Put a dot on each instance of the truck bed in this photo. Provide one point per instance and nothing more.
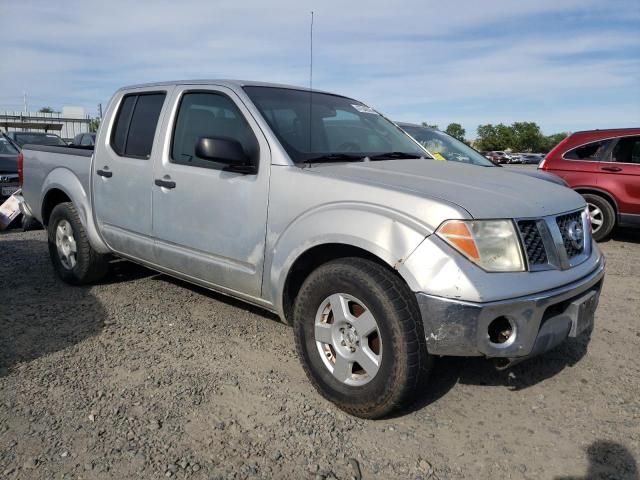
(41, 160)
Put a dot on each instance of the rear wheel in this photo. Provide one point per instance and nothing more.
(73, 258)
(360, 338)
(602, 215)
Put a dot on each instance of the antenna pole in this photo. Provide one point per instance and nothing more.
(311, 54)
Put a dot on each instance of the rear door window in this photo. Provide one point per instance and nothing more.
(121, 127)
(627, 150)
(136, 124)
(591, 151)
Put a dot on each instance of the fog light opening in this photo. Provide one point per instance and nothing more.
(501, 332)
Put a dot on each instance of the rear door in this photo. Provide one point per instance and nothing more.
(123, 172)
(210, 223)
(620, 175)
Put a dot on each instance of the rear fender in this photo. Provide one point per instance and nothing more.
(66, 181)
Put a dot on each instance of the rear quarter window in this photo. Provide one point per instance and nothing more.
(591, 151)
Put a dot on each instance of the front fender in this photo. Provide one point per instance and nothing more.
(386, 233)
(65, 180)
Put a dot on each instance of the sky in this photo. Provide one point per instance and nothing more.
(566, 64)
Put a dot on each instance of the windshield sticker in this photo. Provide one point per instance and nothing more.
(364, 109)
(437, 156)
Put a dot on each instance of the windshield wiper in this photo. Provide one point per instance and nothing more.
(335, 157)
(394, 155)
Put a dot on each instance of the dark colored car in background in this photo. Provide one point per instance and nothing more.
(604, 166)
(498, 157)
(10, 145)
(36, 138)
(531, 158)
(84, 140)
(8, 167)
(442, 146)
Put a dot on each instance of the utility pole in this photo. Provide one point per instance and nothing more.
(25, 102)
(100, 111)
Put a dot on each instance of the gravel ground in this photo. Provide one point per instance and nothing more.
(144, 376)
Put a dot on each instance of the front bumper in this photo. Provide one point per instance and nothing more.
(540, 321)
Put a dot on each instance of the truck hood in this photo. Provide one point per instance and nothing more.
(549, 177)
(484, 192)
(8, 164)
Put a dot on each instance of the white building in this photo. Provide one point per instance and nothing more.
(67, 124)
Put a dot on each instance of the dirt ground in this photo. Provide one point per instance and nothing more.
(144, 376)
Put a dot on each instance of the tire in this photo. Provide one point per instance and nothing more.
(88, 266)
(358, 290)
(602, 210)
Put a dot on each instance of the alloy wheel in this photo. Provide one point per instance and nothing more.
(596, 216)
(66, 245)
(348, 339)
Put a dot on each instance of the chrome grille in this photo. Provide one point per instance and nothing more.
(568, 224)
(532, 241)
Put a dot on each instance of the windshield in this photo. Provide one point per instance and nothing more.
(39, 139)
(445, 147)
(6, 148)
(338, 128)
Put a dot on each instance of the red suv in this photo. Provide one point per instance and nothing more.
(604, 166)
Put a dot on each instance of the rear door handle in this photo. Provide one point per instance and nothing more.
(611, 169)
(105, 173)
(165, 183)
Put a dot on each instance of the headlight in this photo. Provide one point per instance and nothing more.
(491, 244)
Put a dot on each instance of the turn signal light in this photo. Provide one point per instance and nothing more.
(459, 235)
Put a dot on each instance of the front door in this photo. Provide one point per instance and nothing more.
(210, 223)
(123, 172)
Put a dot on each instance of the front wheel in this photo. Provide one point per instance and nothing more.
(602, 216)
(73, 258)
(360, 338)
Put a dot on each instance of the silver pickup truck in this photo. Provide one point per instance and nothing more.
(316, 207)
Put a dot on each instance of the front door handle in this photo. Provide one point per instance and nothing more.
(165, 183)
(105, 173)
(611, 169)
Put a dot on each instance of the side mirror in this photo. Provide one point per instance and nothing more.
(227, 151)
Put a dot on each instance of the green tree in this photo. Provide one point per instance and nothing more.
(505, 136)
(551, 141)
(526, 137)
(487, 139)
(456, 131)
(519, 137)
(47, 110)
(494, 137)
(94, 124)
(428, 125)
